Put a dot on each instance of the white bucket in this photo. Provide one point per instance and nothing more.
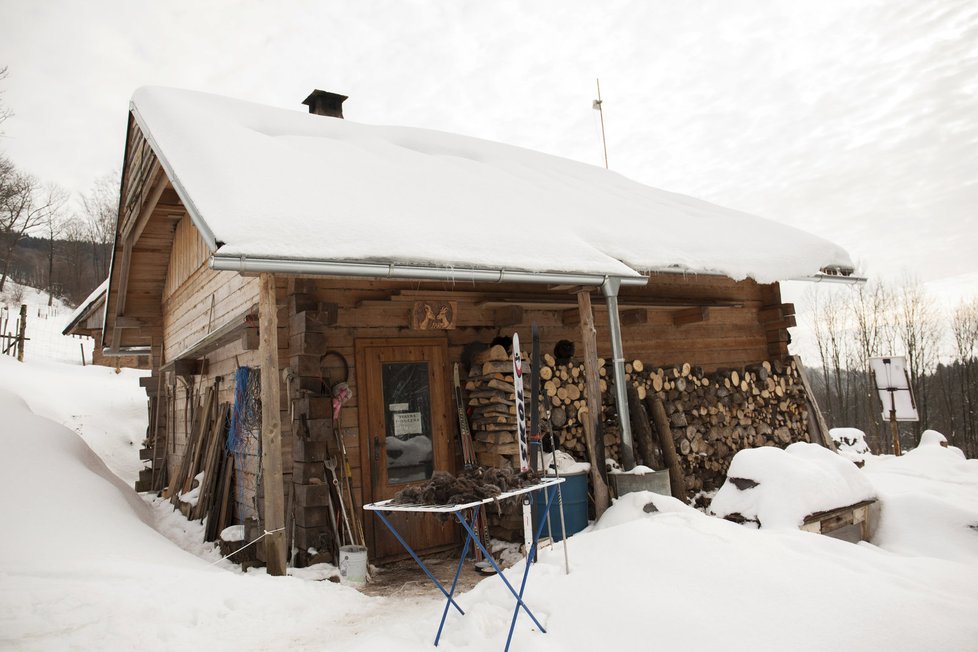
(353, 564)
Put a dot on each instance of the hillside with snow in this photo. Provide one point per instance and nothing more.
(86, 563)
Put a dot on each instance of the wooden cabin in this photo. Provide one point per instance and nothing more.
(317, 251)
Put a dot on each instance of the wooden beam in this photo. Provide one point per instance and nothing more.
(690, 316)
(160, 182)
(775, 312)
(787, 322)
(120, 299)
(188, 367)
(592, 392)
(271, 427)
(230, 331)
(779, 335)
(507, 316)
(633, 317)
(124, 321)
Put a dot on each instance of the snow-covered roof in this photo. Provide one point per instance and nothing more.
(85, 306)
(264, 182)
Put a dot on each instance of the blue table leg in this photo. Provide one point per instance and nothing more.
(458, 572)
(531, 554)
(404, 543)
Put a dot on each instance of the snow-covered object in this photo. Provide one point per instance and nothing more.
(233, 533)
(850, 443)
(933, 438)
(566, 464)
(636, 505)
(274, 183)
(793, 483)
(852, 440)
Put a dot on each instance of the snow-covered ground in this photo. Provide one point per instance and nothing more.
(85, 563)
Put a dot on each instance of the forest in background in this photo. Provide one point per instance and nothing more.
(878, 319)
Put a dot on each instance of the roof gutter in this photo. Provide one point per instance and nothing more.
(243, 264)
(126, 350)
(830, 278)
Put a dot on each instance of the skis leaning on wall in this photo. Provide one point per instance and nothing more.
(468, 459)
(524, 440)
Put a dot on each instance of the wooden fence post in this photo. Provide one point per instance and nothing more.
(22, 333)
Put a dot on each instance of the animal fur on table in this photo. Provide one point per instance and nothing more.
(471, 485)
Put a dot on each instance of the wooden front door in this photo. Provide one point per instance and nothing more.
(406, 434)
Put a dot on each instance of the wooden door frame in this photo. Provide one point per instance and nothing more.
(360, 345)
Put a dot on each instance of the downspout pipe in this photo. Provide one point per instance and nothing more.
(610, 291)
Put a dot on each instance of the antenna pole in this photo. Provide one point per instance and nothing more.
(597, 105)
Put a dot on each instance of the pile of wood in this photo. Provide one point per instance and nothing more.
(713, 415)
(562, 392)
(492, 407)
(206, 466)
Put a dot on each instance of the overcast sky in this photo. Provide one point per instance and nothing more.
(856, 120)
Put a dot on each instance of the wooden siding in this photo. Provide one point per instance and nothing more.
(188, 254)
(204, 302)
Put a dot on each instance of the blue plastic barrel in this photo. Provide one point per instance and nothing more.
(574, 490)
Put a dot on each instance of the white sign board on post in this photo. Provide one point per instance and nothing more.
(893, 385)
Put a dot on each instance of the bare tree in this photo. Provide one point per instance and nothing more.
(872, 308)
(100, 207)
(55, 225)
(5, 111)
(964, 326)
(829, 322)
(24, 206)
(919, 330)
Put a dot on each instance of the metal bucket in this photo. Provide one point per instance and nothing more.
(353, 564)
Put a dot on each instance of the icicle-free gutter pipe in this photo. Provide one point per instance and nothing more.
(415, 272)
(610, 291)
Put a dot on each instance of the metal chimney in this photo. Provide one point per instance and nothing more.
(323, 103)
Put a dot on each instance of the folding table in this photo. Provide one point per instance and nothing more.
(548, 484)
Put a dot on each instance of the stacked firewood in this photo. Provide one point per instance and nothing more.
(492, 408)
(713, 415)
(562, 392)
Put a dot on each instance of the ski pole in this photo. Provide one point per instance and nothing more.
(560, 495)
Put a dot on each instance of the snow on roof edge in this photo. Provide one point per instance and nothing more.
(614, 252)
(86, 305)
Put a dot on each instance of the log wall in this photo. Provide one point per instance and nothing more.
(711, 322)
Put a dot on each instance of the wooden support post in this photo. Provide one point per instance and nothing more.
(642, 430)
(895, 433)
(22, 333)
(592, 390)
(271, 427)
(677, 480)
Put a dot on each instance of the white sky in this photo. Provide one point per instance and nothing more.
(857, 120)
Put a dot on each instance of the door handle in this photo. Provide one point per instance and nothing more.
(377, 447)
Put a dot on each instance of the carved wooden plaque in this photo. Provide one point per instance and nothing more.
(434, 315)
